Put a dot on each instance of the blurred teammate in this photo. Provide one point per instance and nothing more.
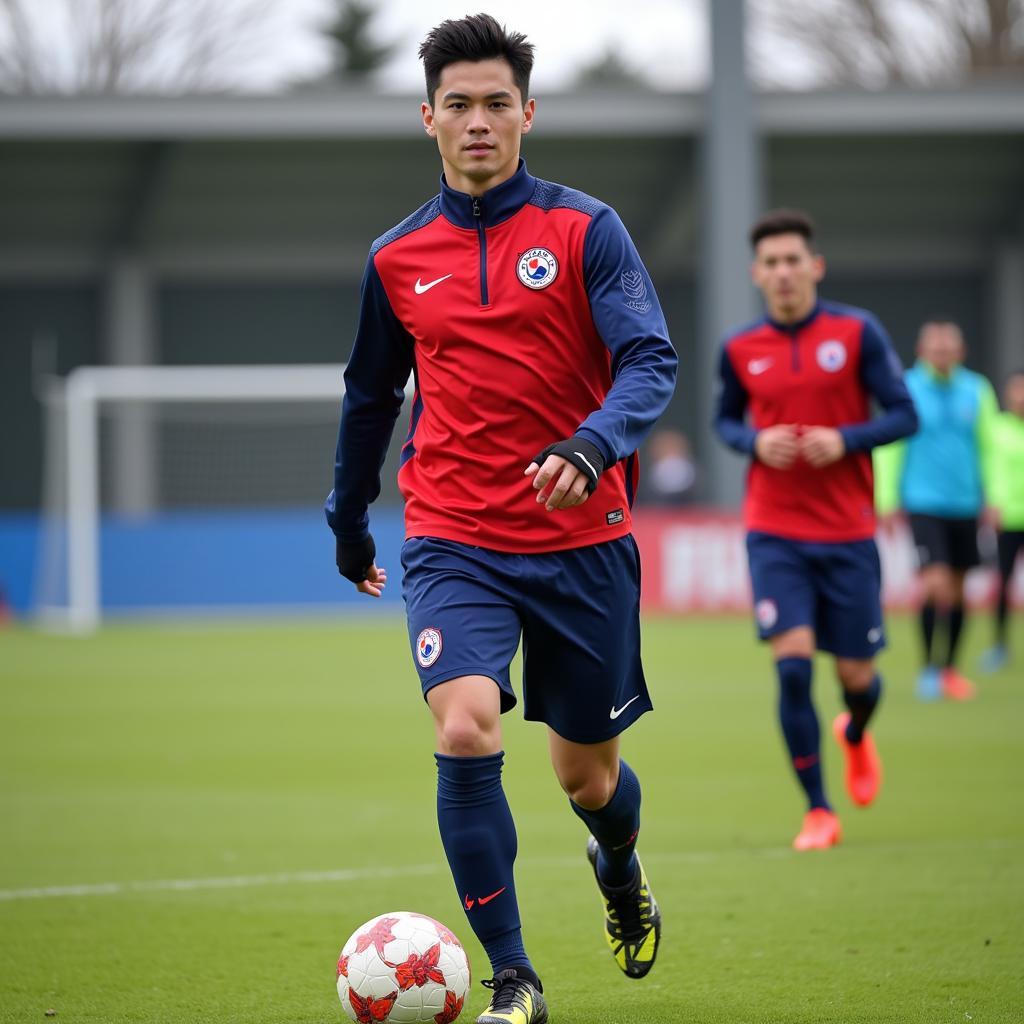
(541, 360)
(1006, 477)
(936, 477)
(806, 373)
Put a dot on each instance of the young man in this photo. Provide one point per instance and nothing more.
(806, 373)
(1006, 477)
(541, 360)
(937, 478)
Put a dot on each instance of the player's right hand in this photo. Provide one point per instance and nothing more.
(356, 563)
(375, 582)
(777, 446)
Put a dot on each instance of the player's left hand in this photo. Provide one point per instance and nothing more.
(566, 474)
(821, 446)
(992, 517)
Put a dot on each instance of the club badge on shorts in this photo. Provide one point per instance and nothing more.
(767, 613)
(428, 647)
(832, 356)
(537, 268)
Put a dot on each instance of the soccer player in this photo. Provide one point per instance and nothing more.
(1006, 477)
(937, 478)
(806, 374)
(541, 359)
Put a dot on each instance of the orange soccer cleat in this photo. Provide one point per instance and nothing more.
(956, 687)
(820, 830)
(863, 765)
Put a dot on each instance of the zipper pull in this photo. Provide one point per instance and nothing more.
(476, 206)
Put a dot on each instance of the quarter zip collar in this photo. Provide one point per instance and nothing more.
(935, 377)
(799, 324)
(495, 205)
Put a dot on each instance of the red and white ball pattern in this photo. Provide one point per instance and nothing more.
(403, 968)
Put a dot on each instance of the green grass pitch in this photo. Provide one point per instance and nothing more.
(193, 820)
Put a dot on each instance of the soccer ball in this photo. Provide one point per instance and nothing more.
(403, 968)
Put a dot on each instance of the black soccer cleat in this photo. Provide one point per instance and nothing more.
(632, 921)
(516, 1000)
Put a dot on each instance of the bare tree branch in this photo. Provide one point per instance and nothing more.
(117, 46)
(23, 58)
(879, 42)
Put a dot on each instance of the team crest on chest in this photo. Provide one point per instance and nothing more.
(428, 647)
(832, 356)
(537, 268)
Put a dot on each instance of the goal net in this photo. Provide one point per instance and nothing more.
(189, 489)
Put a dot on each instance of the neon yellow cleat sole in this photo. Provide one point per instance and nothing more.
(632, 920)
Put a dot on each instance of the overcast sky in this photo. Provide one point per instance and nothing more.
(666, 39)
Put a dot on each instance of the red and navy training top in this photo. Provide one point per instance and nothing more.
(525, 316)
(822, 371)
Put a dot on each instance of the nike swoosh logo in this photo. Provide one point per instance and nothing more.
(483, 900)
(758, 366)
(586, 462)
(615, 712)
(421, 288)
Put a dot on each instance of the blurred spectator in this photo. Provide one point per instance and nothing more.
(938, 477)
(670, 473)
(1006, 472)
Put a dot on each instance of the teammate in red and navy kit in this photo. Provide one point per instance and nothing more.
(806, 375)
(541, 359)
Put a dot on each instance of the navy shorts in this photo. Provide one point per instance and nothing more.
(833, 588)
(577, 611)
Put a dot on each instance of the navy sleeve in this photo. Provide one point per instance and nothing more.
(628, 317)
(375, 378)
(882, 377)
(730, 422)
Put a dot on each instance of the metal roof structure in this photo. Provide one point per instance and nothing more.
(300, 184)
(340, 114)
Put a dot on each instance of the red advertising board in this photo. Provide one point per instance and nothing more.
(696, 561)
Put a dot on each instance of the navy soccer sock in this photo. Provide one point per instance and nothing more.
(479, 839)
(928, 630)
(615, 827)
(862, 706)
(956, 625)
(800, 726)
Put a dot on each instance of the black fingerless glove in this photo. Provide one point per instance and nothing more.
(583, 454)
(354, 559)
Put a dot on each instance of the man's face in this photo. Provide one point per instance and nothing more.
(478, 119)
(941, 346)
(1013, 395)
(787, 273)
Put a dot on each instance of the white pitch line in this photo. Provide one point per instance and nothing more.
(224, 882)
(413, 870)
(253, 881)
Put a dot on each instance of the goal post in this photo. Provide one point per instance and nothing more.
(87, 392)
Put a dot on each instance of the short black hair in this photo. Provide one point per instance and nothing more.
(783, 221)
(475, 37)
(939, 320)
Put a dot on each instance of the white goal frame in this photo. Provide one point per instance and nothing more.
(87, 388)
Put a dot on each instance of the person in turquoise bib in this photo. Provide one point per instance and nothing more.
(939, 477)
(1006, 473)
